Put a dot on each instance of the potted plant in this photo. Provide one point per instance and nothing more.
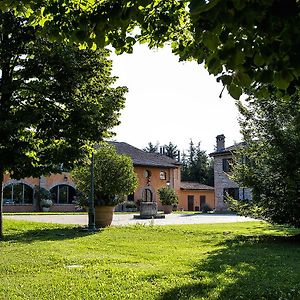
(43, 198)
(46, 204)
(168, 198)
(114, 178)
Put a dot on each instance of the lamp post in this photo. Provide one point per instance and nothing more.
(91, 214)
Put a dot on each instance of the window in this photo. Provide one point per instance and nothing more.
(18, 193)
(163, 175)
(63, 194)
(147, 173)
(227, 165)
(231, 192)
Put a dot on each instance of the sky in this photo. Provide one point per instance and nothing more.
(172, 101)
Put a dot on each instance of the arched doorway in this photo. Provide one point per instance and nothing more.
(147, 195)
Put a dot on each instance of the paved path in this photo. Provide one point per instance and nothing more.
(127, 219)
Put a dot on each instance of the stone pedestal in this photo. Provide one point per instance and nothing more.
(148, 209)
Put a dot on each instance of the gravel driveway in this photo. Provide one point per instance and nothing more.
(128, 219)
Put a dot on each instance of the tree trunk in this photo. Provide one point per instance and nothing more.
(1, 203)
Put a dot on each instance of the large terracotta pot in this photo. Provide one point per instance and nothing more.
(103, 215)
(167, 209)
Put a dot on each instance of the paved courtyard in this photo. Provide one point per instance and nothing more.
(128, 219)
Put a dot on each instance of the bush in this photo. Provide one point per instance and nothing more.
(167, 196)
(206, 208)
(114, 176)
(46, 203)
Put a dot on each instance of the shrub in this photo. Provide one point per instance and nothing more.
(167, 196)
(206, 208)
(114, 176)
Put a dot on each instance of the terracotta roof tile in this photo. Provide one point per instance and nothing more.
(188, 185)
(142, 158)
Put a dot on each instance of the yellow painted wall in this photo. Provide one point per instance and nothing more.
(183, 198)
(154, 182)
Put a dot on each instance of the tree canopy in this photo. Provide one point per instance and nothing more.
(113, 174)
(270, 161)
(244, 43)
(196, 166)
(55, 101)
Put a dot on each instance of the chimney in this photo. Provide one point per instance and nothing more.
(220, 142)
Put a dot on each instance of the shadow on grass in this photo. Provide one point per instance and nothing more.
(247, 267)
(48, 234)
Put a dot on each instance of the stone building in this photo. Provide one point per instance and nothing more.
(224, 185)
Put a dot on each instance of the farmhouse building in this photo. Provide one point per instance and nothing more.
(154, 170)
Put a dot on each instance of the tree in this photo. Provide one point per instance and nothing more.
(55, 101)
(151, 148)
(243, 43)
(196, 166)
(270, 162)
(171, 150)
(113, 174)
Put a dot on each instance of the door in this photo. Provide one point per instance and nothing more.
(190, 202)
(202, 201)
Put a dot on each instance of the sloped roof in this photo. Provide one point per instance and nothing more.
(142, 158)
(188, 185)
(228, 150)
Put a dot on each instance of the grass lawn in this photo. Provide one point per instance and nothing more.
(221, 261)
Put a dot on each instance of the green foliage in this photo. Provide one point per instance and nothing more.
(213, 261)
(46, 203)
(167, 196)
(171, 150)
(114, 176)
(196, 166)
(55, 100)
(41, 193)
(151, 148)
(248, 42)
(270, 162)
(206, 208)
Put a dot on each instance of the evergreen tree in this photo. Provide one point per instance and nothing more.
(197, 166)
(151, 148)
(171, 150)
(270, 161)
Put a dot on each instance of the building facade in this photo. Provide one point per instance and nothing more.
(154, 170)
(223, 184)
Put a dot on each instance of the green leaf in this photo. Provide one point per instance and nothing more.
(244, 79)
(234, 91)
(258, 60)
(283, 79)
(198, 6)
(211, 41)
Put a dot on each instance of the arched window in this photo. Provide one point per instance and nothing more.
(147, 195)
(63, 194)
(18, 193)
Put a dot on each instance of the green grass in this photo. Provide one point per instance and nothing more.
(223, 261)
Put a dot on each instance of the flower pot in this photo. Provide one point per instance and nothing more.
(103, 215)
(167, 209)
